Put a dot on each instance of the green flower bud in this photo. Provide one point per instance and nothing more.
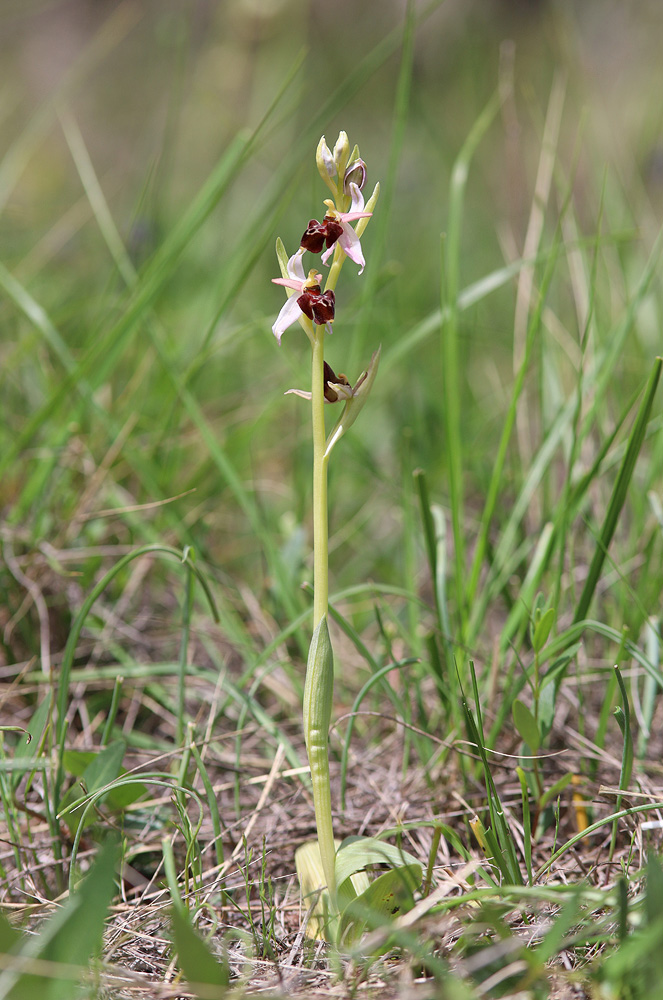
(341, 153)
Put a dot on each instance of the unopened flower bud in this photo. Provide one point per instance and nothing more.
(354, 174)
(326, 165)
(341, 153)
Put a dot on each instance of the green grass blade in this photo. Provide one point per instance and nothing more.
(452, 376)
(619, 492)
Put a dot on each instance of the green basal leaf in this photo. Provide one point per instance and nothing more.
(356, 853)
(387, 897)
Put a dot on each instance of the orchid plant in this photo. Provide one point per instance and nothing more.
(332, 877)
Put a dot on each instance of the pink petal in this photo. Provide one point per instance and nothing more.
(357, 198)
(289, 314)
(293, 283)
(296, 265)
(352, 216)
(298, 392)
(352, 246)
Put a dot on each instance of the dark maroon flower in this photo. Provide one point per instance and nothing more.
(316, 305)
(335, 386)
(319, 234)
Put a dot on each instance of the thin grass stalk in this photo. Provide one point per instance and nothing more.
(499, 834)
(653, 643)
(60, 726)
(436, 550)
(626, 768)
(619, 492)
(112, 710)
(184, 651)
(496, 479)
(588, 831)
(129, 274)
(213, 809)
(171, 874)
(562, 531)
(527, 821)
(370, 683)
(370, 289)
(452, 375)
(89, 803)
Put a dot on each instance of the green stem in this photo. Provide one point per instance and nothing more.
(320, 526)
(318, 689)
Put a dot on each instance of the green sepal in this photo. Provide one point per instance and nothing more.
(282, 257)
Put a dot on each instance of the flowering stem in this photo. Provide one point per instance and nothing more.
(335, 269)
(320, 529)
(319, 672)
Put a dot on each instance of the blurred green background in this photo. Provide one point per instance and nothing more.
(148, 97)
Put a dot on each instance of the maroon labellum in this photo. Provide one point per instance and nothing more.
(319, 234)
(331, 394)
(316, 305)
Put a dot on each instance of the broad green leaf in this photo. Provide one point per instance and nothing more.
(96, 770)
(387, 897)
(555, 790)
(71, 937)
(311, 881)
(356, 853)
(654, 892)
(199, 965)
(9, 936)
(526, 725)
(547, 701)
(542, 629)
